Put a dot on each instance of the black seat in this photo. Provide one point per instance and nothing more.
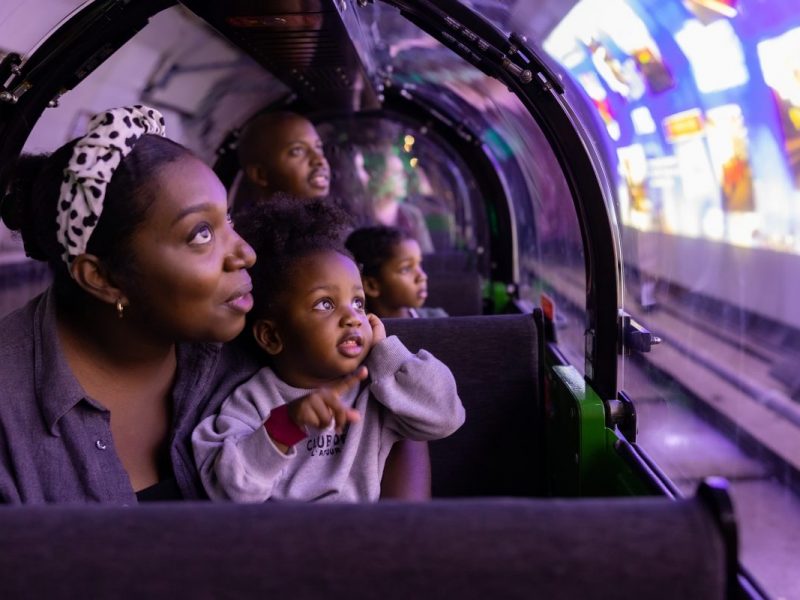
(494, 359)
(454, 282)
(650, 548)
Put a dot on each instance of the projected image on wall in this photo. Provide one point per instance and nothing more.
(701, 115)
(780, 63)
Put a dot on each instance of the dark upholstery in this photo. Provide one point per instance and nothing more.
(466, 549)
(487, 549)
(454, 283)
(494, 361)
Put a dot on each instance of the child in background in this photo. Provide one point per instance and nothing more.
(391, 270)
(318, 421)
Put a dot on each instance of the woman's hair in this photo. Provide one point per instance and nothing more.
(346, 189)
(373, 246)
(376, 163)
(30, 206)
(283, 230)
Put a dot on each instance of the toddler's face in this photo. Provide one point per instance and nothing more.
(402, 281)
(322, 321)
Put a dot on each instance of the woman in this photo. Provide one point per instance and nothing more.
(387, 186)
(98, 379)
(105, 375)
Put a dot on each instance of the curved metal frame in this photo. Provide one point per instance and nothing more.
(62, 61)
(512, 62)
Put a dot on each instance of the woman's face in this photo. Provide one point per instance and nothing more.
(392, 184)
(189, 282)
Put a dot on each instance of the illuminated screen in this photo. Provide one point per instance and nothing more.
(699, 101)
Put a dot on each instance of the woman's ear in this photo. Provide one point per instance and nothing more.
(371, 286)
(257, 174)
(90, 274)
(267, 336)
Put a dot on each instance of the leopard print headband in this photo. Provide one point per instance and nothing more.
(110, 137)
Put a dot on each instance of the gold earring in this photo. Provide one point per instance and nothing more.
(120, 308)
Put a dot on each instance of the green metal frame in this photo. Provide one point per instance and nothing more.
(582, 457)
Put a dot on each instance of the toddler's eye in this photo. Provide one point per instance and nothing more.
(201, 235)
(358, 303)
(324, 304)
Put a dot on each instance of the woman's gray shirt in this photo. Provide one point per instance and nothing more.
(55, 441)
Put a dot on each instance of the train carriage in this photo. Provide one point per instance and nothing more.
(517, 153)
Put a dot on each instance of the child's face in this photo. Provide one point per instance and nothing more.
(401, 282)
(322, 321)
(296, 162)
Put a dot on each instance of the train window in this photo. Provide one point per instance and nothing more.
(532, 207)
(25, 34)
(550, 249)
(697, 106)
(380, 166)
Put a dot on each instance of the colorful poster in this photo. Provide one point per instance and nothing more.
(780, 63)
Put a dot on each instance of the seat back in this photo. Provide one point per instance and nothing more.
(467, 549)
(498, 450)
(454, 283)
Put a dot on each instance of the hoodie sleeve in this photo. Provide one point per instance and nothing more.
(418, 390)
(235, 457)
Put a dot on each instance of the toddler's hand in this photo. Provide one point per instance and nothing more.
(324, 404)
(378, 330)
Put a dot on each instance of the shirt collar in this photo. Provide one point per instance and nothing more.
(57, 390)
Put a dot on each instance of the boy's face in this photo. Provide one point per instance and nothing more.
(294, 160)
(401, 282)
(321, 321)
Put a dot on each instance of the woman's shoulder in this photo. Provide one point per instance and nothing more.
(223, 368)
(17, 331)
(25, 363)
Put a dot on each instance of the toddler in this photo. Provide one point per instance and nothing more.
(391, 270)
(317, 422)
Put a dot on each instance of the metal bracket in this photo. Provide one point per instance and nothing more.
(621, 413)
(9, 66)
(635, 337)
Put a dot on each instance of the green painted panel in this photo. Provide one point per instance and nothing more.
(581, 455)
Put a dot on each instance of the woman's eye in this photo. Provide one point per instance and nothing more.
(358, 303)
(201, 235)
(296, 151)
(324, 304)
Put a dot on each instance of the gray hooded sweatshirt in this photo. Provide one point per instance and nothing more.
(407, 395)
